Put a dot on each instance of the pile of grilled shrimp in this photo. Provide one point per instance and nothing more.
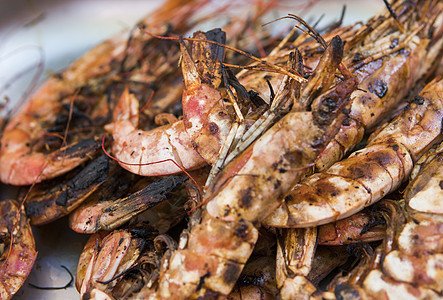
(301, 166)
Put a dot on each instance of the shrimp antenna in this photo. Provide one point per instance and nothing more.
(311, 31)
(294, 75)
(394, 16)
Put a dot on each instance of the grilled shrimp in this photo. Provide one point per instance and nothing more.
(119, 264)
(173, 141)
(110, 213)
(197, 139)
(211, 256)
(17, 256)
(38, 142)
(409, 262)
(56, 198)
(389, 57)
(368, 174)
(104, 257)
(302, 261)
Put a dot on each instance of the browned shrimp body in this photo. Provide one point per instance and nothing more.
(409, 263)
(388, 64)
(16, 259)
(108, 214)
(371, 173)
(212, 255)
(58, 197)
(54, 131)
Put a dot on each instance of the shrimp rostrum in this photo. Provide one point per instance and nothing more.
(222, 236)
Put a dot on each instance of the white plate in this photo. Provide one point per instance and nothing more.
(38, 38)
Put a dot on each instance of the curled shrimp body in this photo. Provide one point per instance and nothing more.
(39, 141)
(17, 257)
(177, 141)
(137, 148)
(409, 262)
(368, 174)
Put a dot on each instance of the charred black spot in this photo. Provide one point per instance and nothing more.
(288, 198)
(227, 210)
(120, 241)
(241, 230)
(327, 107)
(58, 76)
(418, 100)
(256, 99)
(346, 121)
(394, 147)
(157, 191)
(378, 88)
(357, 57)
(94, 174)
(146, 232)
(282, 170)
(89, 145)
(431, 32)
(231, 273)
(441, 184)
(213, 128)
(277, 184)
(202, 280)
(333, 194)
(246, 200)
(274, 166)
(394, 43)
